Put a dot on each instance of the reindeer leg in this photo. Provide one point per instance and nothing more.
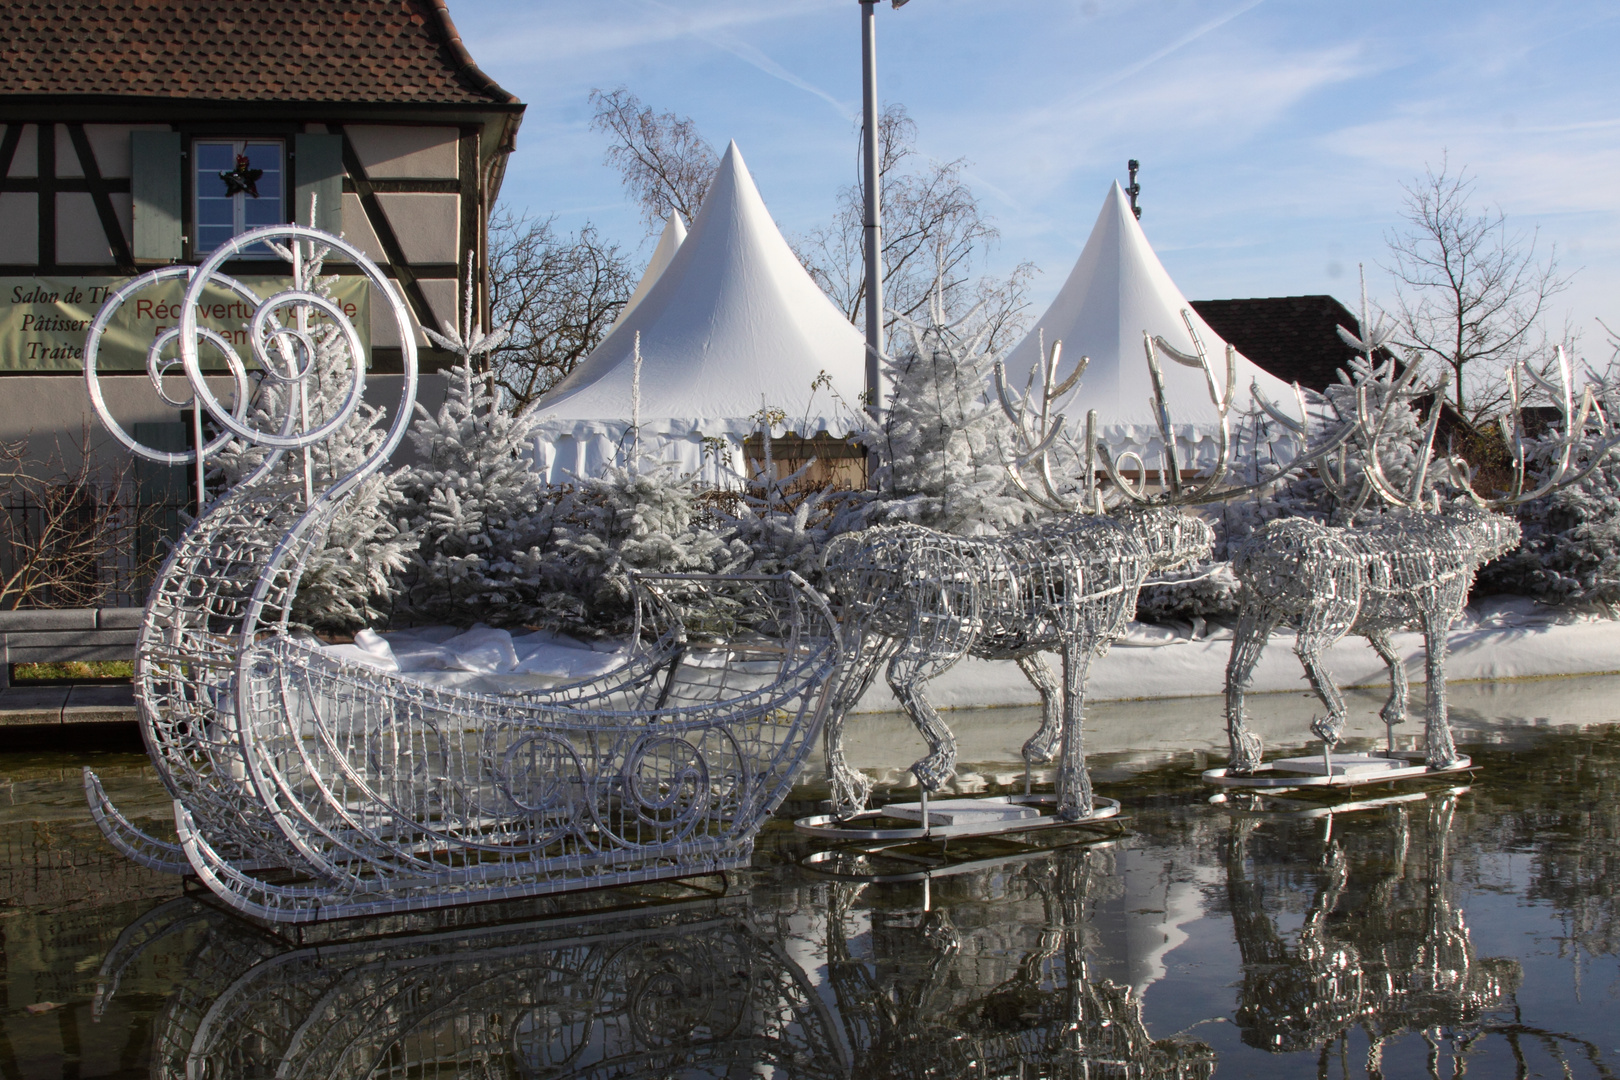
(1043, 745)
(851, 788)
(1442, 751)
(908, 672)
(1248, 642)
(1394, 710)
(1329, 728)
(1073, 780)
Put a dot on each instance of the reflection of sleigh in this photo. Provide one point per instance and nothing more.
(306, 786)
(691, 989)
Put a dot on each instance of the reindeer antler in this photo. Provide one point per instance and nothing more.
(1210, 489)
(1575, 417)
(1035, 436)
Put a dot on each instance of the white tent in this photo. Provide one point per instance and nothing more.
(732, 324)
(673, 236)
(1118, 289)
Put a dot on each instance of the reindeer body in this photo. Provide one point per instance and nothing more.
(921, 600)
(1406, 569)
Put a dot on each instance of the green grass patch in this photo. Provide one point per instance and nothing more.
(74, 671)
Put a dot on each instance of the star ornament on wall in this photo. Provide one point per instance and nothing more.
(242, 178)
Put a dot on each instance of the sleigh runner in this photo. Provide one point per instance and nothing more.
(308, 786)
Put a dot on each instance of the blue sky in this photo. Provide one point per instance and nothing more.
(1273, 134)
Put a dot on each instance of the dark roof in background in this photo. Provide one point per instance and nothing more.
(1295, 338)
(386, 51)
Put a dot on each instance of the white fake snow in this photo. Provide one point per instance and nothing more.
(1501, 638)
(483, 658)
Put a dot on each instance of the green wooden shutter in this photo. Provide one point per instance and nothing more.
(318, 164)
(154, 185)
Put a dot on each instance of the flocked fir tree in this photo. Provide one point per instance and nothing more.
(635, 515)
(1570, 553)
(346, 582)
(943, 441)
(479, 509)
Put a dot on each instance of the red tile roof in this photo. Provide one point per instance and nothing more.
(380, 51)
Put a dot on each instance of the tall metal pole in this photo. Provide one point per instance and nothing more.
(872, 220)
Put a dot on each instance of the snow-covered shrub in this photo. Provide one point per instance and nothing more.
(623, 519)
(1204, 593)
(1570, 552)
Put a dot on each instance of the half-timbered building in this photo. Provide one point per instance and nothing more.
(123, 120)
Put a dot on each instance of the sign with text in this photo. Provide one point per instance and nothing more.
(43, 320)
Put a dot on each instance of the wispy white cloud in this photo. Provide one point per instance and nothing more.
(751, 55)
(577, 31)
(1133, 70)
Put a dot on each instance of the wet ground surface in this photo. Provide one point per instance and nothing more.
(1456, 927)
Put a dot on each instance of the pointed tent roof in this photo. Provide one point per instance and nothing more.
(673, 236)
(1117, 289)
(732, 322)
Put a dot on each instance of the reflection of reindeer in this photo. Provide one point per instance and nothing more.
(1410, 567)
(920, 600)
(1397, 959)
(921, 1006)
(1292, 999)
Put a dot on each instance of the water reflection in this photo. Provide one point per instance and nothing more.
(1472, 930)
(692, 989)
(1384, 946)
(918, 1003)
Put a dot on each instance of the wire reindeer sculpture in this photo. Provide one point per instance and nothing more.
(1412, 566)
(918, 600)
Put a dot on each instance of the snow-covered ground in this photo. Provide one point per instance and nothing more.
(1500, 638)
(1505, 637)
(483, 658)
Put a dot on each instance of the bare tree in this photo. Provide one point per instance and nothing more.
(1471, 295)
(933, 228)
(666, 165)
(556, 295)
(63, 530)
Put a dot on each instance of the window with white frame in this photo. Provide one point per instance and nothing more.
(239, 185)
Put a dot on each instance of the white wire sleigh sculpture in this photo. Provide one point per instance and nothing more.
(307, 786)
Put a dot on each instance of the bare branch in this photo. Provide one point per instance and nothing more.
(61, 530)
(557, 296)
(933, 228)
(665, 164)
(1471, 295)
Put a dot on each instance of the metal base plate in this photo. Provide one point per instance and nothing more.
(991, 816)
(1335, 770)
